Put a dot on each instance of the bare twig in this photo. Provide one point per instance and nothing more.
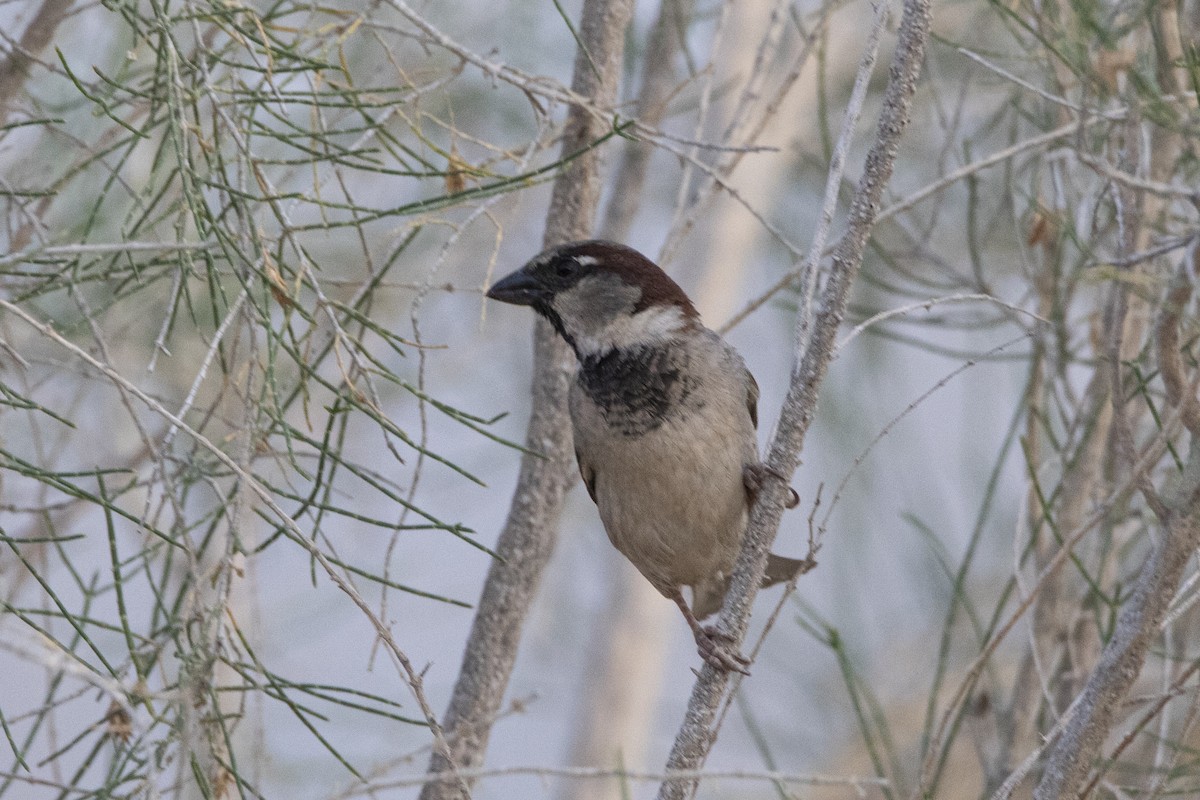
(1015, 778)
(1156, 708)
(534, 85)
(964, 172)
(875, 319)
(66, 250)
(695, 737)
(833, 180)
(1122, 658)
(1179, 391)
(1138, 624)
(658, 83)
(586, 773)
(1166, 190)
(979, 59)
(1117, 496)
(412, 676)
(908, 409)
(745, 127)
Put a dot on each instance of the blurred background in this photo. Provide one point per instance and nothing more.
(245, 250)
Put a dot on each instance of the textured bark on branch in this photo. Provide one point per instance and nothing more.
(529, 533)
(1138, 624)
(815, 342)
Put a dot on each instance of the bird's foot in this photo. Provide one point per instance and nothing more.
(720, 650)
(754, 476)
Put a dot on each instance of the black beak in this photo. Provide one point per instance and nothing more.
(520, 288)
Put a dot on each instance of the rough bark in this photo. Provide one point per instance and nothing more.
(1178, 507)
(1123, 657)
(1138, 625)
(529, 533)
(816, 339)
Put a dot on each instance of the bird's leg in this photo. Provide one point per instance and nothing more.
(714, 646)
(755, 475)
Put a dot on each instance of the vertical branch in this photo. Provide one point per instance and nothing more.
(1178, 508)
(1137, 626)
(658, 83)
(695, 737)
(204, 719)
(529, 532)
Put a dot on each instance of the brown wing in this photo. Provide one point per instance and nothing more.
(752, 407)
(751, 396)
(588, 474)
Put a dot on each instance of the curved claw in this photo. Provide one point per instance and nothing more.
(716, 648)
(755, 475)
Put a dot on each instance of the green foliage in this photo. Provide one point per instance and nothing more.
(202, 177)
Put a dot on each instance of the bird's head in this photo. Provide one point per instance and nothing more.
(600, 296)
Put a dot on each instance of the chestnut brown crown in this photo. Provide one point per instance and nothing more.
(560, 268)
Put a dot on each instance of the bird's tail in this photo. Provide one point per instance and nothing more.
(780, 569)
(708, 597)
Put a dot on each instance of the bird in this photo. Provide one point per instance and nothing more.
(664, 413)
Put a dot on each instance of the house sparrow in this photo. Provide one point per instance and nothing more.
(664, 414)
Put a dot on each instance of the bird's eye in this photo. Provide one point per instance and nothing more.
(566, 267)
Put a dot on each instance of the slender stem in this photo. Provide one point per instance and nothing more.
(696, 735)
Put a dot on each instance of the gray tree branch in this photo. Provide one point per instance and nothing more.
(529, 533)
(657, 86)
(815, 345)
(1121, 662)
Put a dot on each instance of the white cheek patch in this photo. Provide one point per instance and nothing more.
(598, 314)
(651, 326)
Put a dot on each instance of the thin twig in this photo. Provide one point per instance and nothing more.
(413, 677)
(891, 313)
(696, 736)
(587, 773)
